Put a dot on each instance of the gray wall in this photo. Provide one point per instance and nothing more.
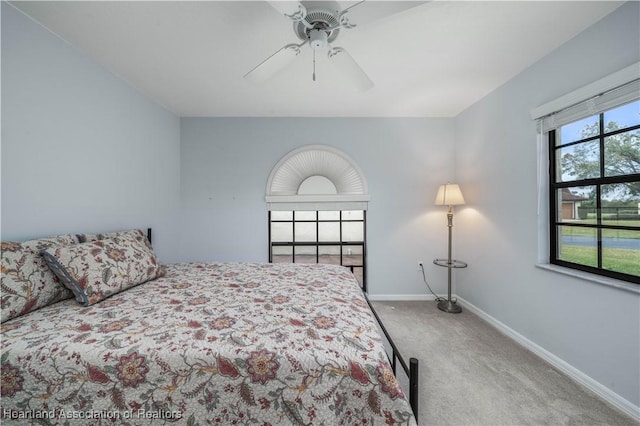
(81, 150)
(226, 163)
(594, 328)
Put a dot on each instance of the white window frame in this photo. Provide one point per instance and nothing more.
(585, 101)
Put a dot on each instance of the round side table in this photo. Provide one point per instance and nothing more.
(449, 305)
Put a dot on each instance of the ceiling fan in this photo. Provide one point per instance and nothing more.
(318, 23)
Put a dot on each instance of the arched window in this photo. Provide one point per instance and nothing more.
(317, 199)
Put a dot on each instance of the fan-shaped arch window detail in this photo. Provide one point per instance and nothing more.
(316, 177)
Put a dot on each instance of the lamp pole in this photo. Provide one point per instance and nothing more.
(449, 305)
(449, 260)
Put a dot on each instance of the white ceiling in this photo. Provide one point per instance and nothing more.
(433, 59)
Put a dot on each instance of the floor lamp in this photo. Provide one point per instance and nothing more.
(449, 195)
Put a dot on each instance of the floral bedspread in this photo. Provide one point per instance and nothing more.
(208, 343)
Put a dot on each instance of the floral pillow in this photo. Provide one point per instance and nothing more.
(134, 233)
(26, 280)
(98, 269)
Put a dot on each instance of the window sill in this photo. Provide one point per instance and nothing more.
(609, 282)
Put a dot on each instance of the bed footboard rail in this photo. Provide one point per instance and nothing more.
(412, 371)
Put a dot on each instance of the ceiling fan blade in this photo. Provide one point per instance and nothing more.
(274, 63)
(364, 12)
(345, 63)
(293, 10)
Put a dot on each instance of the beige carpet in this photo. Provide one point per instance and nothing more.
(471, 374)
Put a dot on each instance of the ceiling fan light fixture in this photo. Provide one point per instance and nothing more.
(318, 39)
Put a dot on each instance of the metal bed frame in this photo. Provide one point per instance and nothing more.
(412, 371)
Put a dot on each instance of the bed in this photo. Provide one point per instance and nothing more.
(199, 343)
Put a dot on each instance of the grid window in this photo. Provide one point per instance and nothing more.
(333, 237)
(595, 193)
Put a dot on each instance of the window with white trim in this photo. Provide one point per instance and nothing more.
(594, 184)
(317, 201)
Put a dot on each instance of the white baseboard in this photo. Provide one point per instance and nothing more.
(577, 375)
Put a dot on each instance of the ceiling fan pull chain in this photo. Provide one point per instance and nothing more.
(314, 64)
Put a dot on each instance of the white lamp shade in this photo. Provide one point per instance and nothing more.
(449, 195)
